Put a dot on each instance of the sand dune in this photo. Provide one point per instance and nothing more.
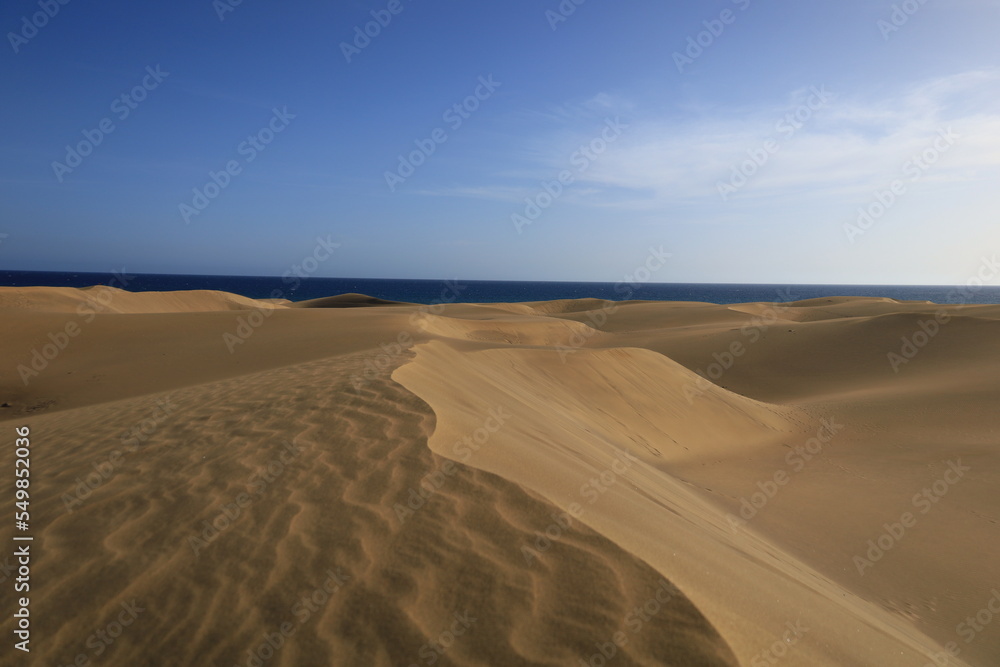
(557, 483)
(345, 301)
(103, 299)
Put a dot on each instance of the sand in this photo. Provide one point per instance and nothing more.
(349, 481)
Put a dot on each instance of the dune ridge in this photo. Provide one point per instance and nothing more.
(547, 469)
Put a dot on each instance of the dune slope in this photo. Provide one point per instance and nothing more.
(553, 483)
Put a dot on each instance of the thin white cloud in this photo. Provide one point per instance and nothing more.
(847, 144)
(848, 147)
(497, 192)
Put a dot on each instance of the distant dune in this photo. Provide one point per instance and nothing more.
(353, 481)
(345, 301)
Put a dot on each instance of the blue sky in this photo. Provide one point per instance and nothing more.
(785, 142)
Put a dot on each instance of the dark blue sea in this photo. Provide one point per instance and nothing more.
(485, 291)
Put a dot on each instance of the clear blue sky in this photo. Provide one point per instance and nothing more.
(674, 130)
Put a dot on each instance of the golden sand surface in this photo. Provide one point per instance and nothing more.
(217, 480)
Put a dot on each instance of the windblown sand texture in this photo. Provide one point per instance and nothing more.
(247, 472)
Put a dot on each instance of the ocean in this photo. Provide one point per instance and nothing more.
(492, 291)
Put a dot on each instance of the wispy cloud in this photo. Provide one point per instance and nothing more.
(844, 146)
(497, 192)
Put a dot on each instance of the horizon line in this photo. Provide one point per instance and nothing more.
(485, 280)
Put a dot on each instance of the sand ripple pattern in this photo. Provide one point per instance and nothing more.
(322, 466)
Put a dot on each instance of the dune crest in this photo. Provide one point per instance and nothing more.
(676, 483)
(104, 299)
(573, 417)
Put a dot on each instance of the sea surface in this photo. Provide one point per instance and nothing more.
(492, 291)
